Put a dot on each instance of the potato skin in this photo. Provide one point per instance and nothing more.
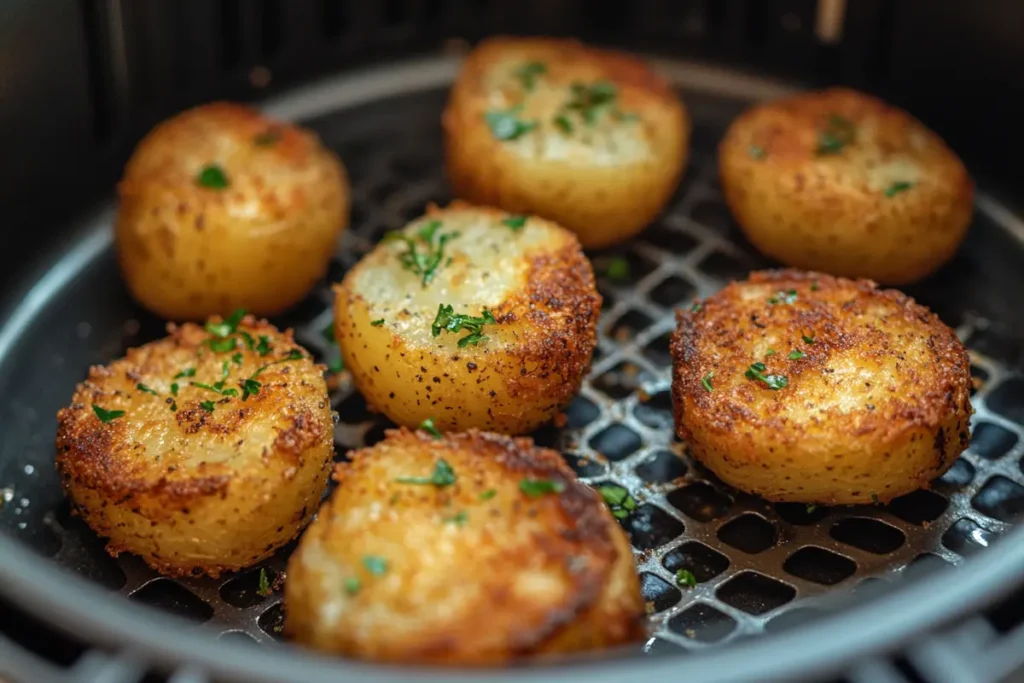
(191, 491)
(535, 281)
(188, 251)
(845, 213)
(605, 182)
(879, 406)
(472, 578)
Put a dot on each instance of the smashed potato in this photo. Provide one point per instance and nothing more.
(840, 182)
(470, 548)
(470, 317)
(222, 208)
(806, 388)
(202, 452)
(592, 139)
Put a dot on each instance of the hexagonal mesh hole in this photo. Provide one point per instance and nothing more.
(755, 593)
(750, 533)
(661, 467)
(656, 411)
(868, 534)
(698, 559)
(1000, 499)
(658, 592)
(919, 507)
(649, 527)
(966, 537)
(703, 623)
(991, 441)
(616, 442)
(271, 622)
(700, 501)
(820, 566)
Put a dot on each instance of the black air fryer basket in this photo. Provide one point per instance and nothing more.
(927, 588)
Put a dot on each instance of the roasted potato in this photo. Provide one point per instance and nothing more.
(469, 549)
(202, 452)
(840, 182)
(806, 388)
(470, 317)
(222, 208)
(591, 139)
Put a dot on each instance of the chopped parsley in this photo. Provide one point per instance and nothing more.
(874, 498)
(506, 125)
(449, 321)
(563, 123)
(590, 100)
(264, 589)
(811, 508)
(756, 152)
(686, 579)
(223, 345)
(378, 322)
(267, 138)
(187, 372)
(527, 74)
(174, 388)
(808, 338)
(618, 269)
(213, 177)
(428, 426)
(143, 388)
(488, 494)
(514, 222)
(535, 488)
(796, 354)
(207, 406)
(696, 307)
(837, 134)
(377, 566)
(106, 415)
(226, 327)
(336, 365)
(774, 382)
(897, 187)
(250, 387)
(458, 519)
(442, 476)
(787, 297)
(236, 358)
(814, 286)
(216, 387)
(263, 347)
(352, 585)
(618, 500)
(706, 382)
(769, 352)
(424, 264)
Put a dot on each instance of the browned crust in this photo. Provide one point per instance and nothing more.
(717, 338)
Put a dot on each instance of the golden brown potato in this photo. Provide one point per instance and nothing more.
(470, 548)
(471, 317)
(840, 182)
(202, 452)
(222, 208)
(807, 388)
(589, 138)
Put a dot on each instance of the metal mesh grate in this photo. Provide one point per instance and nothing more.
(757, 565)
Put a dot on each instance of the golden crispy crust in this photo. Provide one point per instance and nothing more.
(531, 367)
(188, 251)
(877, 396)
(604, 195)
(189, 489)
(517, 576)
(892, 204)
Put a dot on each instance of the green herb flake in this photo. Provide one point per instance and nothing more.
(143, 388)
(796, 354)
(429, 427)
(769, 352)
(706, 382)
(448, 320)
(808, 338)
(787, 297)
(514, 222)
(564, 124)
(874, 498)
(106, 415)
(207, 406)
(336, 365)
(212, 176)
(352, 585)
(837, 134)
(264, 589)
(815, 286)
(896, 188)
(695, 308)
(528, 73)
(187, 372)
(773, 382)
(376, 565)
(378, 322)
(535, 488)
(247, 338)
(226, 327)
(618, 500)
(223, 345)
(506, 125)
(236, 358)
(458, 519)
(811, 508)
(686, 579)
(174, 388)
(618, 269)
(250, 387)
(488, 494)
(425, 264)
(217, 388)
(591, 100)
(263, 346)
(267, 138)
(756, 152)
(442, 476)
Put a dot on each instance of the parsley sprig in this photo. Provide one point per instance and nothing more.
(423, 263)
(106, 415)
(757, 372)
(443, 475)
(528, 73)
(618, 500)
(590, 101)
(837, 134)
(449, 321)
(506, 125)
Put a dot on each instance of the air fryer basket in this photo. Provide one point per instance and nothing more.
(863, 575)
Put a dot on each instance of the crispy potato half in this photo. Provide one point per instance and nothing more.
(222, 208)
(470, 549)
(471, 317)
(806, 388)
(840, 182)
(591, 139)
(202, 452)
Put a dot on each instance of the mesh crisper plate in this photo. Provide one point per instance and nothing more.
(757, 565)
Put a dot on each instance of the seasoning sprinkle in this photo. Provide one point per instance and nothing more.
(106, 415)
